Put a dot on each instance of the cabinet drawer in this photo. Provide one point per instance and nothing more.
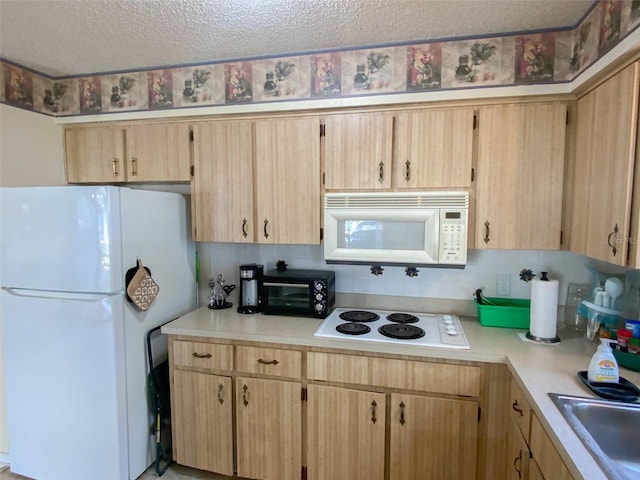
(426, 376)
(337, 368)
(269, 361)
(520, 409)
(202, 355)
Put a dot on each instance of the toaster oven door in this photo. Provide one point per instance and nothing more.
(287, 298)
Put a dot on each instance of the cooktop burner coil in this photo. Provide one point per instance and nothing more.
(353, 328)
(402, 318)
(359, 316)
(401, 330)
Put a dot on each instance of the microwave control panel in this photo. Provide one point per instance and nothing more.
(453, 237)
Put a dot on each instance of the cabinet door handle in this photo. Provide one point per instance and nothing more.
(266, 234)
(487, 231)
(373, 412)
(615, 232)
(268, 362)
(134, 166)
(245, 395)
(201, 355)
(407, 170)
(244, 227)
(402, 421)
(114, 167)
(516, 461)
(381, 172)
(517, 408)
(221, 393)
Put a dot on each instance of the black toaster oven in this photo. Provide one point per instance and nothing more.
(303, 293)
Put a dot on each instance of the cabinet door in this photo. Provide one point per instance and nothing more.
(202, 421)
(268, 429)
(358, 151)
(95, 155)
(434, 149)
(223, 181)
(518, 455)
(158, 153)
(346, 431)
(545, 454)
(519, 180)
(432, 438)
(288, 199)
(603, 170)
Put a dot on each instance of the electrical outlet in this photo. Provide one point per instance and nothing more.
(504, 285)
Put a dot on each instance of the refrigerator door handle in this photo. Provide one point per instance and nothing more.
(51, 294)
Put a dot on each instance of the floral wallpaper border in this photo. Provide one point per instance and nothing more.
(523, 58)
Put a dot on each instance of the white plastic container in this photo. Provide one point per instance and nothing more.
(603, 366)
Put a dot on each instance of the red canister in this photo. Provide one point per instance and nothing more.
(624, 336)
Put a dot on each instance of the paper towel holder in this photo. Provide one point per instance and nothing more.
(529, 335)
(555, 339)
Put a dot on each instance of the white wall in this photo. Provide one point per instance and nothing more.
(31, 154)
(481, 271)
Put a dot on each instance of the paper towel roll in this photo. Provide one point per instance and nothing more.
(544, 309)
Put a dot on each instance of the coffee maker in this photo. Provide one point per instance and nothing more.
(250, 300)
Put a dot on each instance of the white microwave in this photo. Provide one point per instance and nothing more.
(396, 228)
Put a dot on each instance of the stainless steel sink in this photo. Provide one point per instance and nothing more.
(610, 431)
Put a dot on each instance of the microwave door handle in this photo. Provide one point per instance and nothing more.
(277, 284)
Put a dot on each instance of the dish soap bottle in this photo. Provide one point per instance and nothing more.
(603, 366)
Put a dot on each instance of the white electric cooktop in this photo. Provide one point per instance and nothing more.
(410, 328)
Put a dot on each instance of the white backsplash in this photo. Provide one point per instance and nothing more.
(483, 267)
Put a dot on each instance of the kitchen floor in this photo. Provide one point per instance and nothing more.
(175, 472)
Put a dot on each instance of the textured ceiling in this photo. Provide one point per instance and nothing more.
(67, 37)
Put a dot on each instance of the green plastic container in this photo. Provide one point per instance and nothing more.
(506, 312)
(627, 360)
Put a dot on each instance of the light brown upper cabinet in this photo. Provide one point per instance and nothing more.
(222, 188)
(358, 150)
(257, 181)
(519, 181)
(434, 148)
(287, 180)
(603, 171)
(133, 153)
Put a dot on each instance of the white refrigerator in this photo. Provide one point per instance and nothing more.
(74, 347)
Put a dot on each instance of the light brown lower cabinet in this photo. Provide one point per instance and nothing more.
(545, 455)
(202, 421)
(268, 429)
(519, 454)
(346, 434)
(432, 438)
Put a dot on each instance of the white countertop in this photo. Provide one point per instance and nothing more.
(539, 368)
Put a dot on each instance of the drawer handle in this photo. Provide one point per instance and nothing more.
(201, 355)
(373, 412)
(245, 395)
(518, 461)
(402, 421)
(268, 362)
(221, 393)
(517, 408)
